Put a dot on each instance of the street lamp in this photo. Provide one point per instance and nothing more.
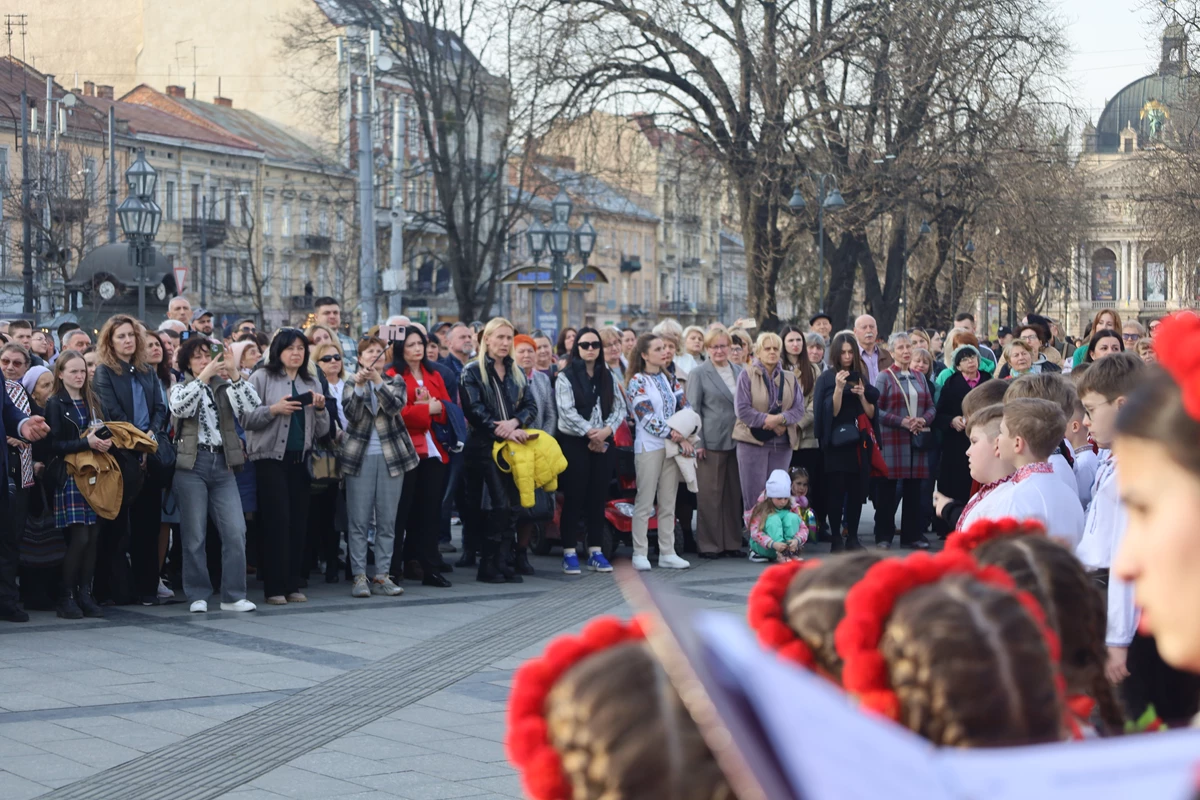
(140, 217)
(826, 201)
(560, 239)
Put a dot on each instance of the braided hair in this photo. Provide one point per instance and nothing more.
(815, 604)
(1074, 609)
(622, 732)
(970, 667)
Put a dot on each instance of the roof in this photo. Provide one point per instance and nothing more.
(1127, 108)
(377, 14)
(277, 143)
(594, 194)
(15, 76)
(147, 121)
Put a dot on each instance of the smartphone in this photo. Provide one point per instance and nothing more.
(103, 432)
(305, 399)
(392, 333)
(854, 377)
(532, 437)
(216, 349)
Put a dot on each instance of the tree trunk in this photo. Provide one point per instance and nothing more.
(764, 254)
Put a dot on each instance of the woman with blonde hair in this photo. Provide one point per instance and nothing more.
(320, 334)
(328, 364)
(769, 406)
(498, 406)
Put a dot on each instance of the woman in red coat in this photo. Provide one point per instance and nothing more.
(420, 509)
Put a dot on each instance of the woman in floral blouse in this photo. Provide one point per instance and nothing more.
(654, 396)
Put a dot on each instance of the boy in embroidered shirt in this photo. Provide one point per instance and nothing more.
(1086, 459)
(1059, 390)
(1029, 433)
(988, 469)
(1103, 390)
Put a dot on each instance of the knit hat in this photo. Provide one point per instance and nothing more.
(521, 338)
(236, 351)
(31, 378)
(779, 485)
(963, 351)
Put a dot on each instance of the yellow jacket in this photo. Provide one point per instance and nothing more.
(98, 475)
(534, 465)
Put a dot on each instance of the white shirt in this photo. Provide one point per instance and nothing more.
(1103, 531)
(1034, 493)
(1086, 463)
(1065, 473)
(196, 399)
(990, 506)
(336, 390)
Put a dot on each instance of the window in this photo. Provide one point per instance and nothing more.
(649, 298)
(169, 208)
(245, 281)
(285, 224)
(268, 209)
(323, 223)
(285, 280)
(229, 275)
(339, 284)
(341, 228)
(244, 202)
(229, 206)
(4, 254)
(427, 196)
(414, 130)
(304, 222)
(64, 173)
(89, 179)
(4, 167)
(322, 277)
(195, 201)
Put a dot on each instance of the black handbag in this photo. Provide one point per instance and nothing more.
(766, 434)
(844, 435)
(923, 441)
(161, 463)
(42, 544)
(542, 509)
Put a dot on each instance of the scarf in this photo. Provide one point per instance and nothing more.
(587, 388)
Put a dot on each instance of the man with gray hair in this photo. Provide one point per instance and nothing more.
(172, 325)
(874, 356)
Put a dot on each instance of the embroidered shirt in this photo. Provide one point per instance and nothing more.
(16, 393)
(196, 399)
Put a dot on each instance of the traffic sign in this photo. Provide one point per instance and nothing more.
(181, 272)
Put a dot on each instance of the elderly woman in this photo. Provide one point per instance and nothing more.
(740, 346)
(905, 413)
(525, 357)
(711, 391)
(957, 338)
(954, 473)
(1018, 358)
(814, 343)
(1036, 339)
(770, 406)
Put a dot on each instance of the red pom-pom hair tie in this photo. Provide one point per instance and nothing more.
(1177, 346)
(767, 616)
(528, 740)
(871, 601)
(985, 530)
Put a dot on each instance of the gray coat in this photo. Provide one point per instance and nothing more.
(266, 434)
(547, 409)
(712, 399)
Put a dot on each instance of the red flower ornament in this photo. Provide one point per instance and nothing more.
(767, 616)
(985, 530)
(1177, 346)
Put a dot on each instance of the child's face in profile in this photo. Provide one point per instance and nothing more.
(800, 487)
(983, 457)
(780, 502)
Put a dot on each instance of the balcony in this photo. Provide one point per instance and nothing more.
(633, 311)
(679, 307)
(313, 244)
(691, 263)
(301, 302)
(631, 264)
(211, 230)
(68, 209)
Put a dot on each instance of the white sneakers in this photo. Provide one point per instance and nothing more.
(201, 606)
(672, 561)
(240, 605)
(164, 593)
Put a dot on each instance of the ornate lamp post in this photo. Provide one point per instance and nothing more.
(140, 217)
(560, 238)
(826, 201)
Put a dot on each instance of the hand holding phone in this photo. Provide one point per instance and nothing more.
(305, 399)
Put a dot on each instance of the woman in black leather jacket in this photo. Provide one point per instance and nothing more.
(493, 416)
(128, 391)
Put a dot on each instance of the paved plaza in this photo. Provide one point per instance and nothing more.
(336, 698)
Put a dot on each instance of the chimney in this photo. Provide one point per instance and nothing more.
(223, 101)
(177, 91)
(89, 88)
(104, 92)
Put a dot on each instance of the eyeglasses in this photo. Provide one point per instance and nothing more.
(589, 345)
(1130, 337)
(330, 358)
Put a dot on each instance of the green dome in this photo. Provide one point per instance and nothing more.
(1137, 105)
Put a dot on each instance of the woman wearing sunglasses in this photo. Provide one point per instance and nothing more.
(324, 541)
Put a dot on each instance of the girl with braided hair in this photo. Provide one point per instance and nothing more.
(1074, 608)
(596, 717)
(953, 652)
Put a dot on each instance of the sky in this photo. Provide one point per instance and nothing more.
(1114, 42)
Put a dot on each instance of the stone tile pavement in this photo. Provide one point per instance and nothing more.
(339, 697)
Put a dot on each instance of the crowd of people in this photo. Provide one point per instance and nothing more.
(1058, 610)
(351, 438)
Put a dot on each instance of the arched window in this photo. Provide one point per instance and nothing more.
(1154, 277)
(1104, 275)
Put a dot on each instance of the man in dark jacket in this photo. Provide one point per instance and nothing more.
(31, 429)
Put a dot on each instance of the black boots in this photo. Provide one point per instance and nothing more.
(489, 569)
(521, 562)
(852, 542)
(466, 560)
(87, 603)
(67, 607)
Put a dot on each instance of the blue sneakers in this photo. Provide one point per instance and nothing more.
(571, 564)
(598, 563)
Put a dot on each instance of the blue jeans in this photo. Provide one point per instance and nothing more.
(207, 490)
